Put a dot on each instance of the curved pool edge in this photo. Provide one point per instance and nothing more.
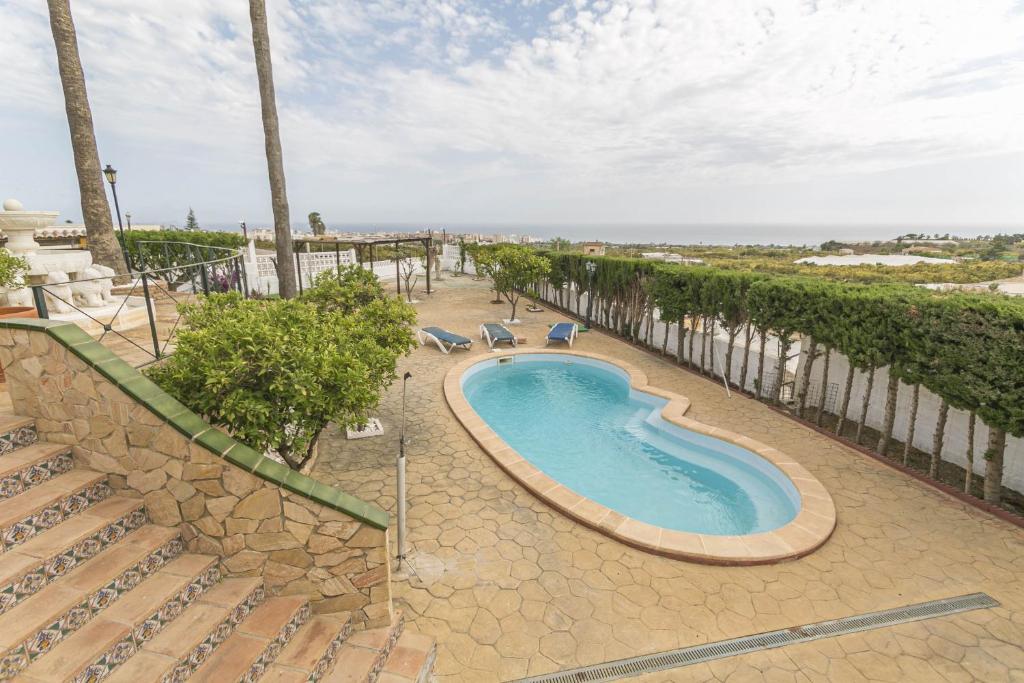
(808, 531)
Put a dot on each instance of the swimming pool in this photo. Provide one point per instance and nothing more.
(579, 422)
(593, 439)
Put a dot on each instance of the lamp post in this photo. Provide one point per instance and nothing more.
(128, 220)
(111, 174)
(245, 233)
(591, 269)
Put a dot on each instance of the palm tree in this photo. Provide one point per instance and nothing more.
(272, 139)
(95, 209)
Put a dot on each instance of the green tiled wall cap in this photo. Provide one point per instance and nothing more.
(190, 425)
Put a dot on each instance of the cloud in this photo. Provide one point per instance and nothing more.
(543, 96)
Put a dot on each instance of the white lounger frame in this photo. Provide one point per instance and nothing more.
(570, 340)
(423, 336)
(484, 334)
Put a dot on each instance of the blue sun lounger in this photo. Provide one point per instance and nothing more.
(441, 337)
(496, 332)
(563, 332)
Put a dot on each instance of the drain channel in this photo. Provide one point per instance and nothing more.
(660, 661)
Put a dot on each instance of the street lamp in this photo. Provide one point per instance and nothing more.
(111, 174)
(245, 233)
(591, 269)
(128, 219)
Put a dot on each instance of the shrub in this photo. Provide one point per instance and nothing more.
(275, 372)
(12, 269)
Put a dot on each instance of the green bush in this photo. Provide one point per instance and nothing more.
(12, 269)
(159, 249)
(275, 372)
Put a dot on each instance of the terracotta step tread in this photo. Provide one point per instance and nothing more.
(132, 613)
(282, 674)
(352, 665)
(30, 455)
(8, 423)
(309, 644)
(13, 510)
(64, 536)
(47, 557)
(408, 657)
(28, 617)
(193, 635)
(256, 642)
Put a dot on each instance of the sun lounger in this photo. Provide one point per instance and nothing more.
(445, 340)
(562, 332)
(496, 332)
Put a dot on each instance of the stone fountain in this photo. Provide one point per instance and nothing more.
(73, 280)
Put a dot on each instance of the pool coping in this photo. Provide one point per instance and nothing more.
(804, 534)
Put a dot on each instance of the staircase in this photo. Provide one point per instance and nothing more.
(91, 591)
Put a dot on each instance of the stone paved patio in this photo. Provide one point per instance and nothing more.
(511, 588)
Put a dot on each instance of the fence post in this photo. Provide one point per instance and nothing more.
(151, 311)
(203, 279)
(39, 299)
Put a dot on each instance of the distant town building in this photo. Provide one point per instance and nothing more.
(593, 248)
(847, 252)
(669, 257)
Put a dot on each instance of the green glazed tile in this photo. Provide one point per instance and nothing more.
(271, 470)
(243, 456)
(215, 440)
(188, 423)
(70, 334)
(298, 482)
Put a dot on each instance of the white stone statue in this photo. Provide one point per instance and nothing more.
(20, 297)
(57, 286)
(87, 291)
(107, 273)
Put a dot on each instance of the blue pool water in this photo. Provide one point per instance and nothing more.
(578, 421)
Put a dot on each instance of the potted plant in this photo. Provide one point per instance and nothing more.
(12, 276)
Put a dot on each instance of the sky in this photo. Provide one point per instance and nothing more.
(536, 112)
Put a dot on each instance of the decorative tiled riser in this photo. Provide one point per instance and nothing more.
(167, 613)
(47, 518)
(13, 440)
(33, 475)
(327, 660)
(17, 659)
(188, 664)
(275, 646)
(54, 567)
(382, 657)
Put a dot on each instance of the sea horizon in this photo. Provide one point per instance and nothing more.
(714, 234)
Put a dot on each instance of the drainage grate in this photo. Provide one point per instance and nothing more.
(686, 656)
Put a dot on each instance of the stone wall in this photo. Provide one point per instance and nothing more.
(78, 394)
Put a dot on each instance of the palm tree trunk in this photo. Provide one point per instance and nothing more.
(994, 465)
(805, 382)
(841, 422)
(891, 395)
(940, 433)
(760, 365)
(864, 405)
(272, 141)
(824, 386)
(748, 334)
(914, 402)
(99, 228)
(971, 423)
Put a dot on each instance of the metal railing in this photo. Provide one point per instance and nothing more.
(158, 290)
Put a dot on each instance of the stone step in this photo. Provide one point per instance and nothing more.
(256, 642)
(312, 651)
(411, 660)
(35, 625)
(96, 649)
(31, 465)
(364, 654)
(29, 567)
(43, 507)
(16, 432)
(191, 639)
